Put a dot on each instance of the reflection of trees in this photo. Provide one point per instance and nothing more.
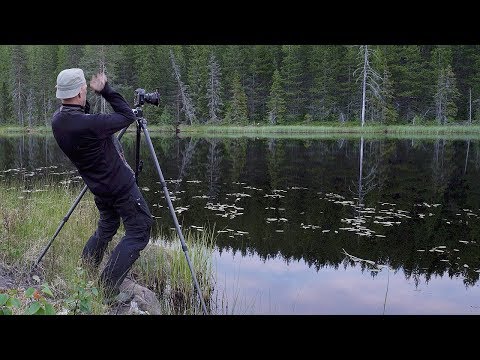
(273, 163)
(7, 153)
(187, 156)
(367, 179)
(236, 152)
(439, 175)
(20, 150)
(477, 155)
(214, 159)
(366, 183)
(321, 166)
(466, 156)
(33, 152)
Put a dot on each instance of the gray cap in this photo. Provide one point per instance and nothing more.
(69, 83)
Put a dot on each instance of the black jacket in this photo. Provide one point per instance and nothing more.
(89, 142)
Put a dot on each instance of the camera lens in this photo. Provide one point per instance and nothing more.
(152, 98)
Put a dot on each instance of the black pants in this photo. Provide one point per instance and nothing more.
(137, 221)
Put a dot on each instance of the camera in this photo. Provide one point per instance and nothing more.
(141, 97)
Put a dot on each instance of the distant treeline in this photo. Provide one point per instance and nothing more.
(246, 84)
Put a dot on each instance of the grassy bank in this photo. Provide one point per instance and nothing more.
(28, 220)
(300, 129)
(335, 129)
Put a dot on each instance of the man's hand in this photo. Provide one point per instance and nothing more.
(98, 82)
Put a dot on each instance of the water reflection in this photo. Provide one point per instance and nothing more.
(295, 207)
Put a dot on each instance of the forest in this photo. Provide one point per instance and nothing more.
(255, 84)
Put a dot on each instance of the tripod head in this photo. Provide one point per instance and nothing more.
(138, 111)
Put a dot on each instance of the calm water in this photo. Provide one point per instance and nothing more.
(313, 226)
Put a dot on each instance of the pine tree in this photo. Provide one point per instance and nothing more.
(69, 56)
(237, 112)
(292, 80)
(388, 114)
(19, 81)
(345, 91)
(411, 79)
(47, 80)
(276, 102)
(464, 67)
(235, 59)
(321, 99)
(257, 83)
(197, 78)
(446, 91)
(6, 102)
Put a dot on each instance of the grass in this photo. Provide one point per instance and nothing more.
(9, 129)
(302, 129)
(333, 128)
(28, 220)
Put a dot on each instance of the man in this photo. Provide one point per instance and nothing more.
(89, 141)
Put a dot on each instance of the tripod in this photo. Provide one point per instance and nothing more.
(141, 123)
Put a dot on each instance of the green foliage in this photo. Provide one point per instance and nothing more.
(39, 305)
(198, 78)
(237, 109)
(35, 301)
(83, 294)
(292, 75)
(276, 102)
(317, 80)
(7, 303)
(166, 117)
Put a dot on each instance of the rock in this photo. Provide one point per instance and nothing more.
(144, 301)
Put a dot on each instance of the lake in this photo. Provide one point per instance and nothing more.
(330, 225)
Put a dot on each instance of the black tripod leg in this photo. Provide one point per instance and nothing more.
(172, 210)
(137, 153)
(65, 219)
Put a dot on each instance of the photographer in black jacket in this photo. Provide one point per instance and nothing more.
(89, 141)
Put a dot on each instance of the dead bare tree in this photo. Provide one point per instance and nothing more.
(370, 78)
(470, 107)
(214, 89)
(213, 168)
(187, 104)
(30, 110)
(102, 69)
(445, 95)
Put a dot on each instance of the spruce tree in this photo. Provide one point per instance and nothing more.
(237, 112)
(292, 81)
(276, 103)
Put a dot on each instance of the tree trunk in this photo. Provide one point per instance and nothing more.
(470, 107)
(364, 85)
